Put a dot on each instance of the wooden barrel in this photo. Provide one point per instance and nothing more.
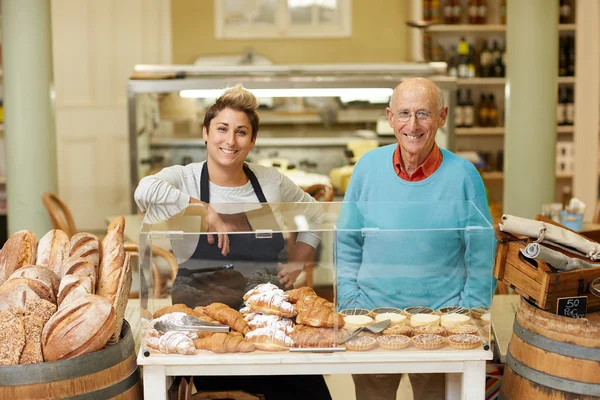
(552, 357)
(108, 373)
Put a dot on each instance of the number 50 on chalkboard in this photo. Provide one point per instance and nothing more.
(572, 307)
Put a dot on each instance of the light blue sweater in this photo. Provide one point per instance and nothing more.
(426, 243)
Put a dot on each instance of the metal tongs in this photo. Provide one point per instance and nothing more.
(190, 323)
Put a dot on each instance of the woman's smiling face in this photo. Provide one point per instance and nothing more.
(229, 138)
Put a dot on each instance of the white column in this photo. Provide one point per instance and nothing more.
(531, 97)
(587, 104)
(29, 113)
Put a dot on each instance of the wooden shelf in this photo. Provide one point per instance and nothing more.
(566, 129)
(344, 116)
(497, 175)
(566, 79)
(481, 81)
(567, 27)
(499, 131)
(467, 28)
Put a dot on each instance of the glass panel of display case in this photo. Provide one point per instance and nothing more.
(413, 276)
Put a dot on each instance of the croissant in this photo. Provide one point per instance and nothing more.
(224, 343)
(228, 316)
(306, 336)
(262, 288)
(270, 339)
(172, 342)
(256, 321)
(323, 317)
(201, 315)
(174, 308)
(310, 301)
(271, 303)
(295, 295)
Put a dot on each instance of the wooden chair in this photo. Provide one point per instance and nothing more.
(59, 213)
(160, 284)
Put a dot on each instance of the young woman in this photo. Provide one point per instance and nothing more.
(234, 262)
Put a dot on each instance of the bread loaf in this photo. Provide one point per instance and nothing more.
(121, 298)
(80, 327)
(53, 250)
(17, 291)
(38, 273)
(12, 336)
(73, 287)
(19, 250)
(113, 257)
(32, 351)
(87, 247)
(82, 267)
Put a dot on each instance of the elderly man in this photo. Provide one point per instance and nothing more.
(405, 234)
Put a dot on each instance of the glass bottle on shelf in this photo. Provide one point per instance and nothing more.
(435, 11)
(492, 111)
(427, 10)
(468, 111)
(449, 12)
(563, 62)
(483, 111)
(485, 61)
(482, 12)
(571, 56)
(503, 12)
(471, 63)
(453, 62)
(437, 53)
(457, 11)
(497, 60)
(565, 12)
(463, 53)
(570, 108)
(561, 107)
(473, 11)
(458, 111)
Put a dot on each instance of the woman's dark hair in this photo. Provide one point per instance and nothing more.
(239, 99)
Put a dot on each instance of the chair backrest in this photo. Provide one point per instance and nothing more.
(159, 283)
(320, 192)
(59, 214)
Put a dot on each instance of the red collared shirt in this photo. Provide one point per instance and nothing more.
(423, 171)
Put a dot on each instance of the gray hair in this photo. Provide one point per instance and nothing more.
(440, 96)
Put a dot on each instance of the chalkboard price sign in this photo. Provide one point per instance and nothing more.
(572, 307)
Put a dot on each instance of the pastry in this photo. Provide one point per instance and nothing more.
(224, 343)
(355, 311)
(271, 302)
(264, 288)
(464, 341)
(296, 295)
(453, 310)
(172, 342)
(409, 311)
(464, 328)
(269, 339)
(393, 342)
(424, 319)
(361, 343)
(256, 321)
(311, 301)
(306, 336)
(395, 319)
(352, 322)
(320, 317)
(397, 330)
(435, 330)
(452, 319)
(477, 312)
(428, 341)
(174, 308)
(485, 318)
(228, 316)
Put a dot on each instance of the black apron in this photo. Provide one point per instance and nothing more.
(209, 277)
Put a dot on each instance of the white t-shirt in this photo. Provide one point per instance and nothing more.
(172, 188)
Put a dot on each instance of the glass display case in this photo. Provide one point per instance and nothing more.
(315, 120)
(408, 277)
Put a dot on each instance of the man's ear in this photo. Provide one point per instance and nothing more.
(388, 113)
(443, 116)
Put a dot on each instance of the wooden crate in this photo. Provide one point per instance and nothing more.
(536, 280)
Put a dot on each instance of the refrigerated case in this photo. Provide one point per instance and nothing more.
(388, 261)
(310, 131)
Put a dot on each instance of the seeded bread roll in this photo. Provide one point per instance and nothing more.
(32, 351)
(80, 327)
(38, 273)
(12, 336)
(19, 250)
(17, 291)
(53, 250)
(113, 257)
(85, 246)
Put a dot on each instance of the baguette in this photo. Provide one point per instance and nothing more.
(19, 250)
(80, 327)
(73, 287)
(40, 274)
(87, 247)
(53, 250)
(113, 258)
(121, 299)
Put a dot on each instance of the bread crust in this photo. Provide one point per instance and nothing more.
(53, 250)
(19, 250)
(113, 258)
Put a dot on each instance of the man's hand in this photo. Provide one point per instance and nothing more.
(288, 273)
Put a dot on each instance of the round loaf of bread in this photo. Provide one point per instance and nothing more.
(80, 327)
(17, 292)
(38, 273)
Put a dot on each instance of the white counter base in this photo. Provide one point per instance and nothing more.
(465, 369)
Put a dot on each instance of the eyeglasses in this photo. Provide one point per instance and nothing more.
(404, 116)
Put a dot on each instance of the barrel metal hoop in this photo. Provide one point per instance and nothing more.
(111, 391)
(550, 381)
(52, 371)
(554, 346)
